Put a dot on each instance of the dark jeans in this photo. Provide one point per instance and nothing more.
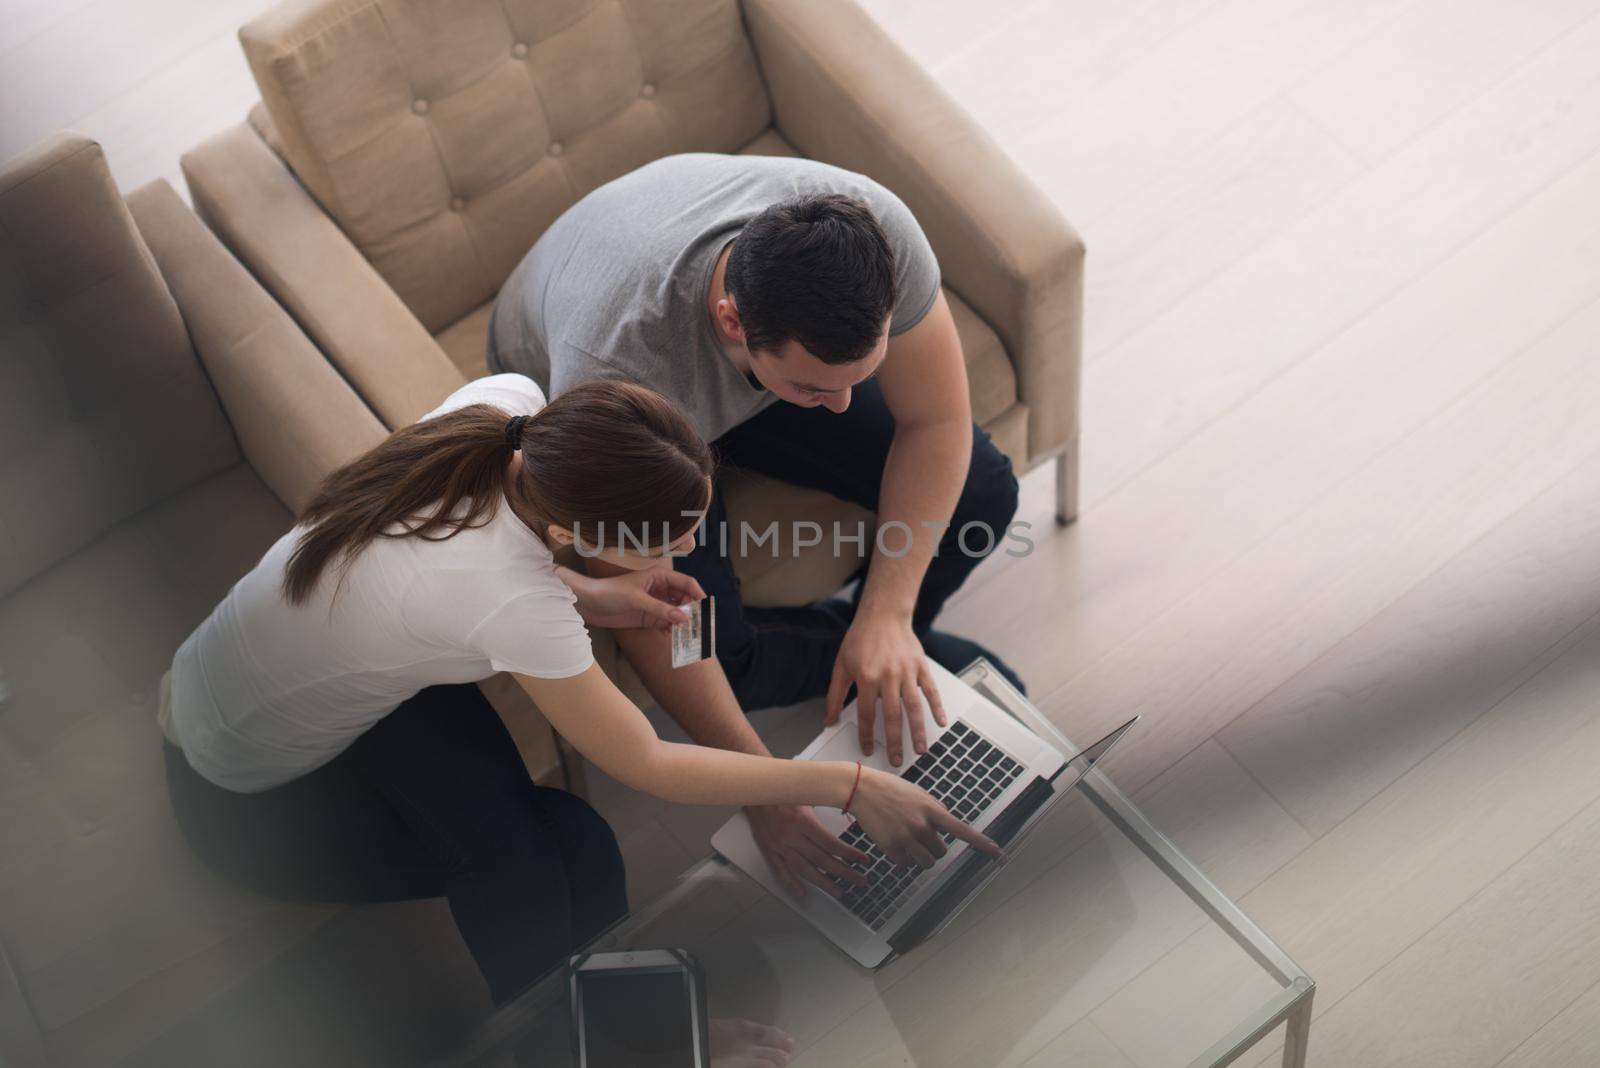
(779, 656)
(433, 801)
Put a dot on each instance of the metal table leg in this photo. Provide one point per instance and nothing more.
(1297, 1033)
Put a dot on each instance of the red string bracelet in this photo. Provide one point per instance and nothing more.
(853, 787)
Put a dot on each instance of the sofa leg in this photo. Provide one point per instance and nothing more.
(1067, 485)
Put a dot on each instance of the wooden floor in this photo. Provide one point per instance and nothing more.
(1340, 541)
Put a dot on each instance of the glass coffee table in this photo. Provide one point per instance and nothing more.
(1097, 944)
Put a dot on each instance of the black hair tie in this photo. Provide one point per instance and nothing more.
(514, 431)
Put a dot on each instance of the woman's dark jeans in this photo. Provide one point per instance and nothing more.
(432, 801)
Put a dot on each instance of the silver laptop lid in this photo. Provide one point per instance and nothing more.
(975, 871)
(1083, 763)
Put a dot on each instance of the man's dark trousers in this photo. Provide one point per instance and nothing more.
(780, 656)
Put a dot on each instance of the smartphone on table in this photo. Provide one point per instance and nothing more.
(638, 1009)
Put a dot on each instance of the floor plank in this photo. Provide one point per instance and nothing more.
(1201, 995)
(1570, 1040)
(1465, 994)
(1319, 276)
(1390, 692)
(1432, 842)
(22, 20)
(933, 31)
(86, 59)
(1361, 545)
(653, 859)
(1181, 230)
(1083, 1045)
(1182, 371)
(137, 128)
(1442, 52)
(1101, 147)
(1046, 56)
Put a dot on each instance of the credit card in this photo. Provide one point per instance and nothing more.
(696, 639)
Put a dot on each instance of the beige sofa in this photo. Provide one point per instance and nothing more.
(161, 416)
(406, 155)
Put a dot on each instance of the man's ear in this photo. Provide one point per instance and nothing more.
(728, 319)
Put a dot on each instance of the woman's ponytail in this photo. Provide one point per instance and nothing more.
(431, 480)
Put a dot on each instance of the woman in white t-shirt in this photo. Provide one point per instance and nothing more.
(325, 740)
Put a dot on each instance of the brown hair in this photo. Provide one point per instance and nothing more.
(816, 269)
(601, 453)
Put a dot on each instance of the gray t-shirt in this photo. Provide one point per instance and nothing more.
(617, 287)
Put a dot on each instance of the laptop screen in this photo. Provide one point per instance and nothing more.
(1085, 761)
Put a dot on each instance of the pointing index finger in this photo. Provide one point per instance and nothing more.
(972, 836)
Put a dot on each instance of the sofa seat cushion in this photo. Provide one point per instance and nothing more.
(99, 894)
(991, 379)
(466, 340)
(778, 572)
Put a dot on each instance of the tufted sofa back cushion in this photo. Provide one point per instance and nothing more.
(104, 409)
(444, 136)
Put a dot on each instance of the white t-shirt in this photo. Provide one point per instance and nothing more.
(264, 691)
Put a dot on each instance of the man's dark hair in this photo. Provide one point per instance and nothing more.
(813, 269)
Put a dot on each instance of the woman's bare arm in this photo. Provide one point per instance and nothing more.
(602, 724)
(591, 713)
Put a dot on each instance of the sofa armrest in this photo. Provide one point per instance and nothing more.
(263, 213)
(846, 94)
(296, 420)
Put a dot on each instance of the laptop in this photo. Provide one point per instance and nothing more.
(988, 769)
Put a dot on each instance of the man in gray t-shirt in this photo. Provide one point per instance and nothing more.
(616, 288)
(794, 311)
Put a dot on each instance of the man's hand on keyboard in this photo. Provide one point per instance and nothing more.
(801, 850)
(884, 660)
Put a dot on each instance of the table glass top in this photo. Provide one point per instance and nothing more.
(1082, 951)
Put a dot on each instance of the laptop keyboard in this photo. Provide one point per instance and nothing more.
(963, 770)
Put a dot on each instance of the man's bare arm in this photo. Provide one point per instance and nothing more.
(924, 382)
